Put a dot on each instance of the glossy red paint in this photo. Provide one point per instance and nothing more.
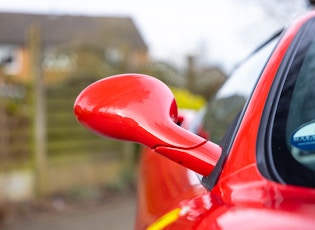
(245, 143)
(142, 109)
(162, 187)
(241, 162)
(241, 199)
(113, 105)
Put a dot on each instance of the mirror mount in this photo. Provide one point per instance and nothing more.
(142, 109)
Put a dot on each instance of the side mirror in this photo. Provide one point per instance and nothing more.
(140, 108)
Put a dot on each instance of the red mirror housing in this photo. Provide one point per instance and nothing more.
(140, 108)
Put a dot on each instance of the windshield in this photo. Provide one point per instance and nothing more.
(231, 98)
(300, 130)
(291, 154)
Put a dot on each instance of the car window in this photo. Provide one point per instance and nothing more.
(293, 129)
(232, 96)
(221, 116)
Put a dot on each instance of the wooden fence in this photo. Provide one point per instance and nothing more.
(73, 155)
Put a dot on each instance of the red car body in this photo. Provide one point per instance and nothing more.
(170, 195)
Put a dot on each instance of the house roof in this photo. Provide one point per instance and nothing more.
(60, 29)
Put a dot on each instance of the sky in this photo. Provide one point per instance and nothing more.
(218, 32)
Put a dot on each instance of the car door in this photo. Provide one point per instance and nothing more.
(163, 184)
(240, 185)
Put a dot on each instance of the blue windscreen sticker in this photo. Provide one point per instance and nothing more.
(304, 138)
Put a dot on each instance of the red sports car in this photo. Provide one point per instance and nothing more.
(256, 171)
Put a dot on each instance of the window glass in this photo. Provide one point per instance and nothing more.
(11, 59)
(293, 133)
(232, 96)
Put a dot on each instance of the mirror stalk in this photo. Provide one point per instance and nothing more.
(200, 159)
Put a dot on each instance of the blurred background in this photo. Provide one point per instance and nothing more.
(51, 49)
